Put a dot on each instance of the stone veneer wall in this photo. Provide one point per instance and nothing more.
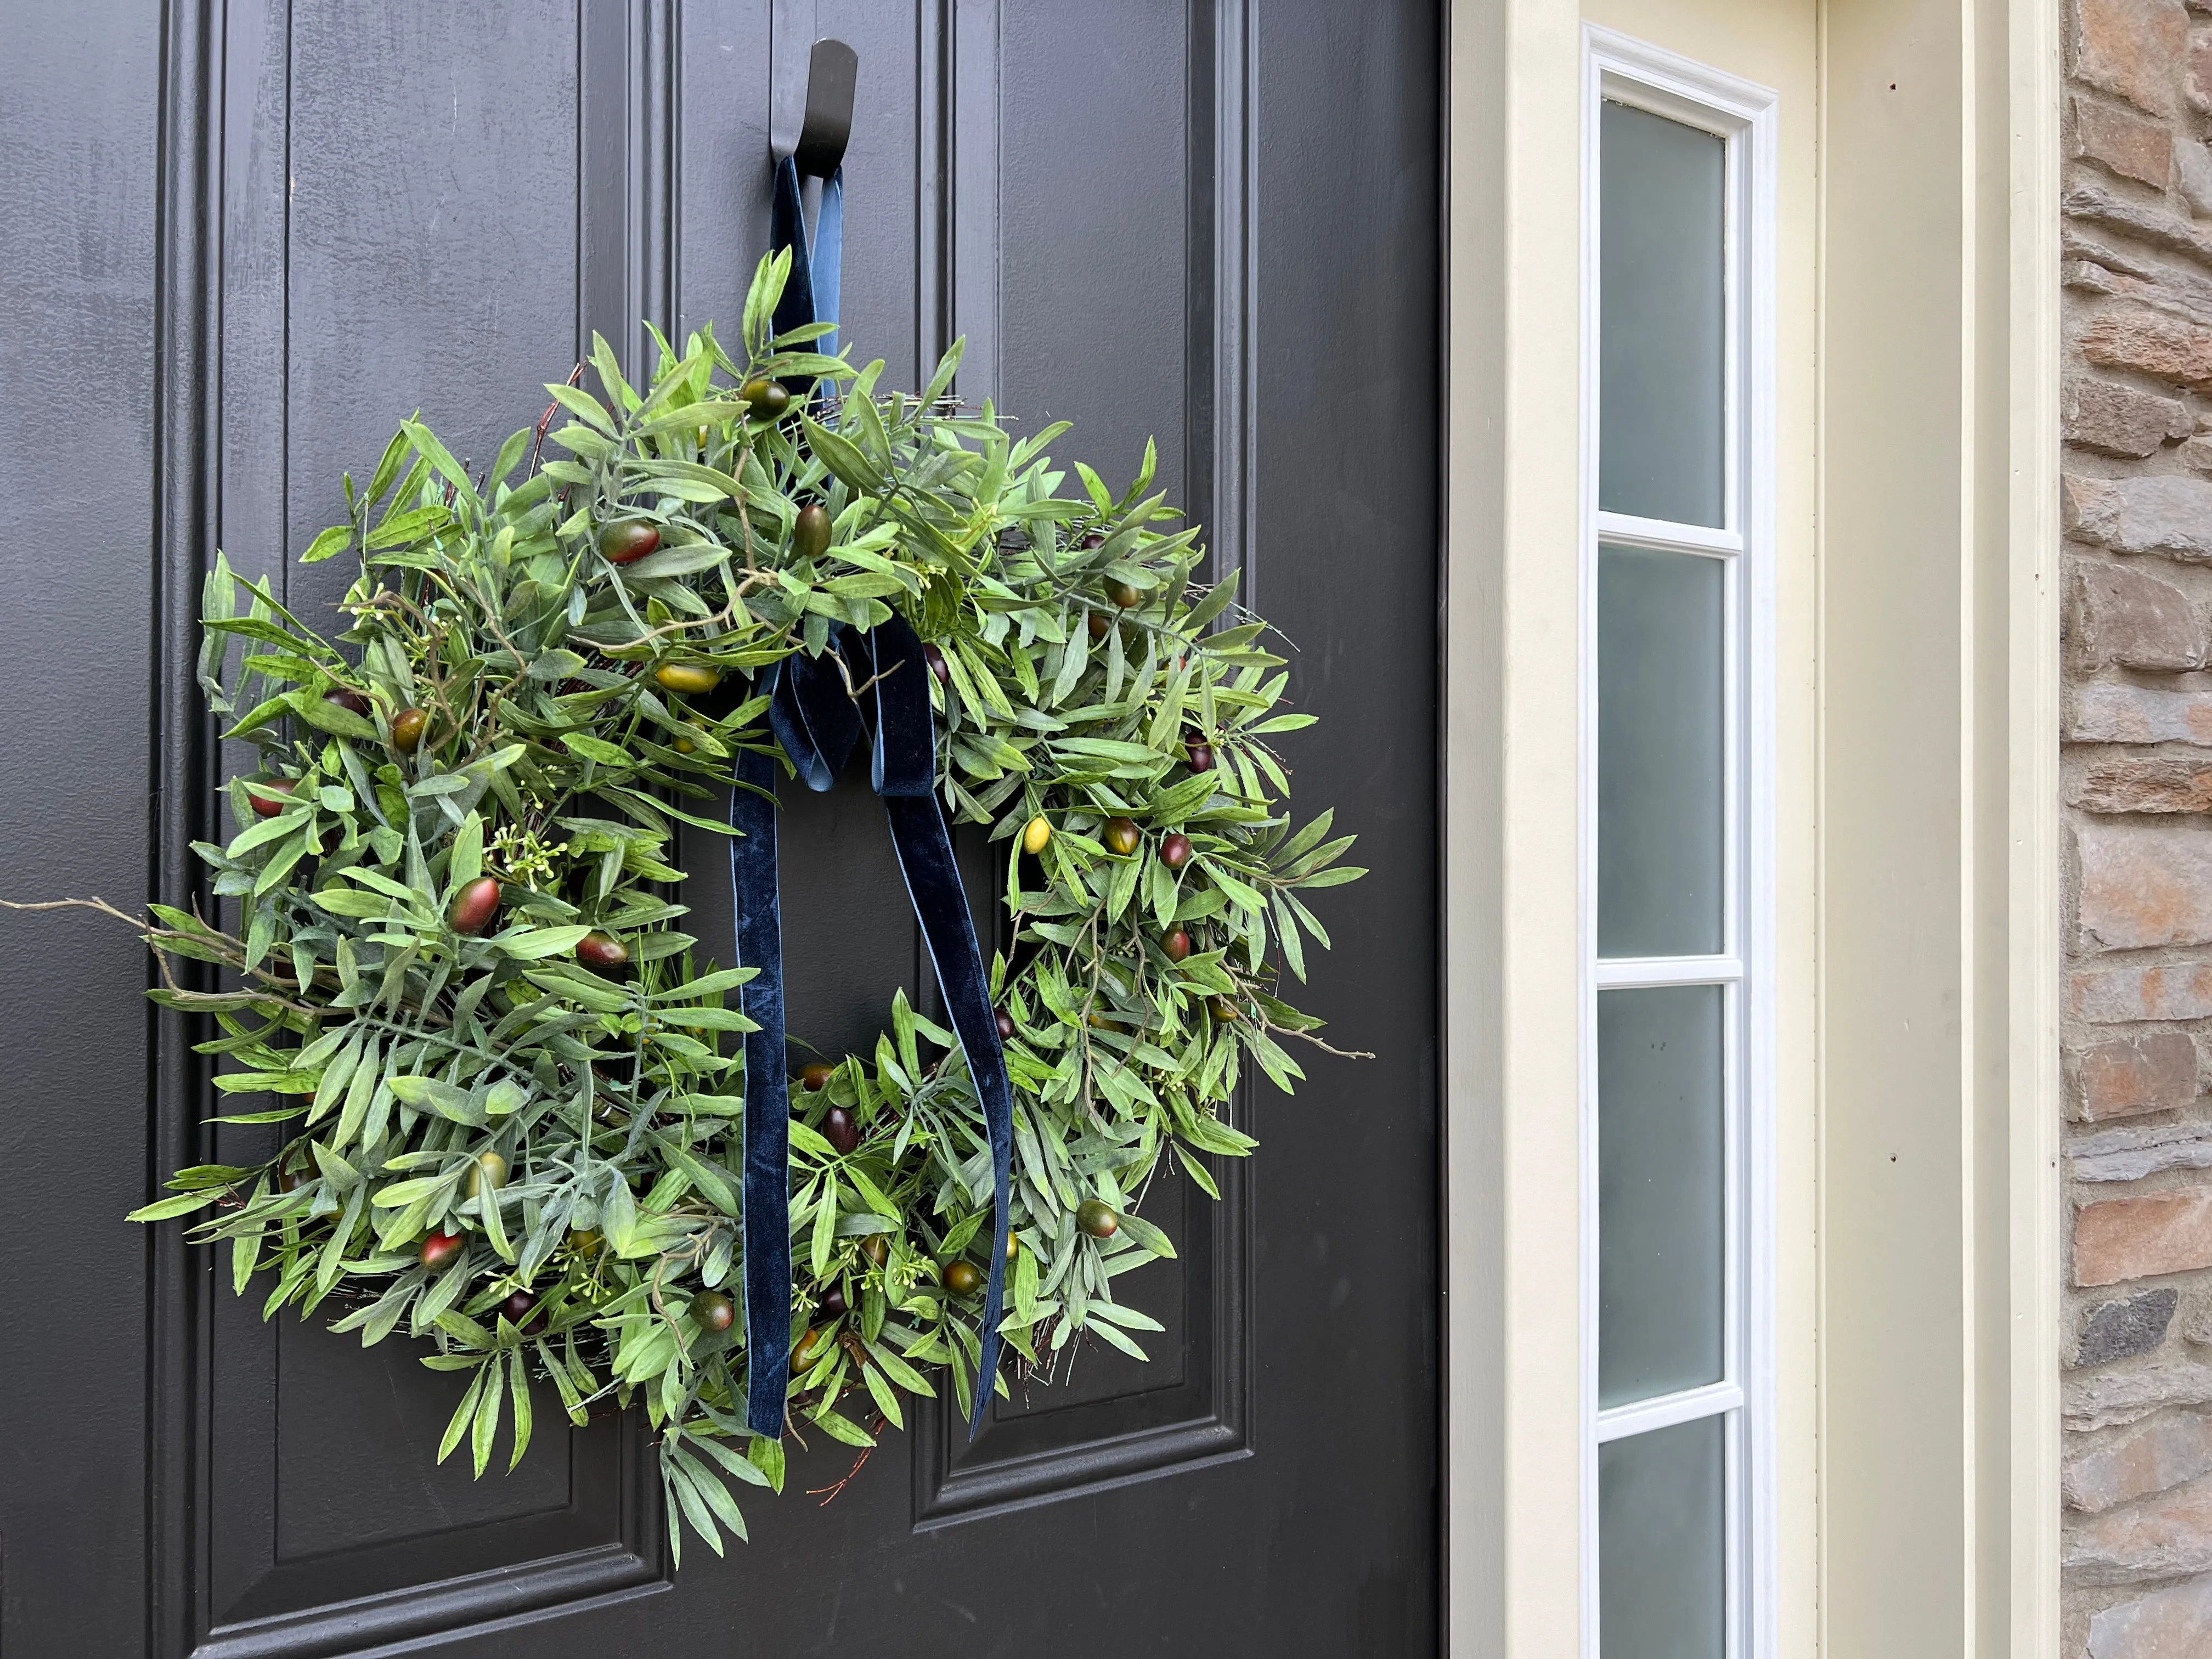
(2137, 780)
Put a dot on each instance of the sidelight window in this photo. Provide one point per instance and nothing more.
(1677, 907)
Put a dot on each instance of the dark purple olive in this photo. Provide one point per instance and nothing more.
(1175, 850)
(628, 540)
(1005, 1024)
(766, 399)
(1094, 539)
(840, 1129)
(474, 906)
(346, 697)
(268, 799)
(938, 666)
(711, 1310)
(1175, 943)
(601, 950)
(1200, 753)
(439, 1248)
(810, 530)
(517, 1307)
(1096, 1217)
(832, 1304)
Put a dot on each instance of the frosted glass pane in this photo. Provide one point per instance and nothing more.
(1659, 749)
(1660, 1174)
(1659, 364)
(1660, 1502)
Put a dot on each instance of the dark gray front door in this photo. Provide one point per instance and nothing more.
(244, 240)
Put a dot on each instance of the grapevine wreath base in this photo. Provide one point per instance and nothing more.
(516, 1086)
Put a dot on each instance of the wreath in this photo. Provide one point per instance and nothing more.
(516, 1085)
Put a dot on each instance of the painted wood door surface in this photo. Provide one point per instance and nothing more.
(246, 237)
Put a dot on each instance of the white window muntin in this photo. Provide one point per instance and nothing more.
(1619, 68)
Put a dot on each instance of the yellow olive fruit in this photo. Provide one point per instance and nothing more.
(809, 1348)
(767, 399)
(962, 1278)
(585, 1241)
(491, 1171)
(690, 676)
(1035, 834)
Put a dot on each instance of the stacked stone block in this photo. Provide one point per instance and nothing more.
(2136, 247)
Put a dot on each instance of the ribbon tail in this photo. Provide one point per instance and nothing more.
(932, 882)
(767, 1214)
(905, 771)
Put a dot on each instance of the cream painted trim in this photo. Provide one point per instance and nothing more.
(2033, 930)
(1512, 603)
(1961, 1492)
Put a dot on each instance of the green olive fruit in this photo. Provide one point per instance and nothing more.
(585, 1241)
(1096, 1217)
(1200, 754)
(1222, 1009)
(815, 1078)
(962, 1278)
(1175, 943)
(767, 399)
(1128, 595)
(809, 1348)
(840, 1129)
(1122, 835)
(1013, 1248)
(439, 1249)
(407, 727)
(688, 677)
(601, 950)
(832, 1303)
(628, 540)
(474, 906)
(876, 1246)
(1175, 850)
(490, 1172)
(346, 697)
(1035, 834)
(810, 530)
(1005, 1022)
(523, 1313)
(711, 1310)
(268, 799)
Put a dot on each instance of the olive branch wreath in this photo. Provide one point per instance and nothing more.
(457, 961)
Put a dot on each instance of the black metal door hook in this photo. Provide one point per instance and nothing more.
(832, 72)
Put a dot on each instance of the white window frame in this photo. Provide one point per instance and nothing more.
(1621, 69)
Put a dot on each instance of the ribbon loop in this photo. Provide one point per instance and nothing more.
(815, 714)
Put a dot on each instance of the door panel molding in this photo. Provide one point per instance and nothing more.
(220, 1581)
(1026, 1457)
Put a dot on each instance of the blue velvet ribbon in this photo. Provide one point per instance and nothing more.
(816, 718)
